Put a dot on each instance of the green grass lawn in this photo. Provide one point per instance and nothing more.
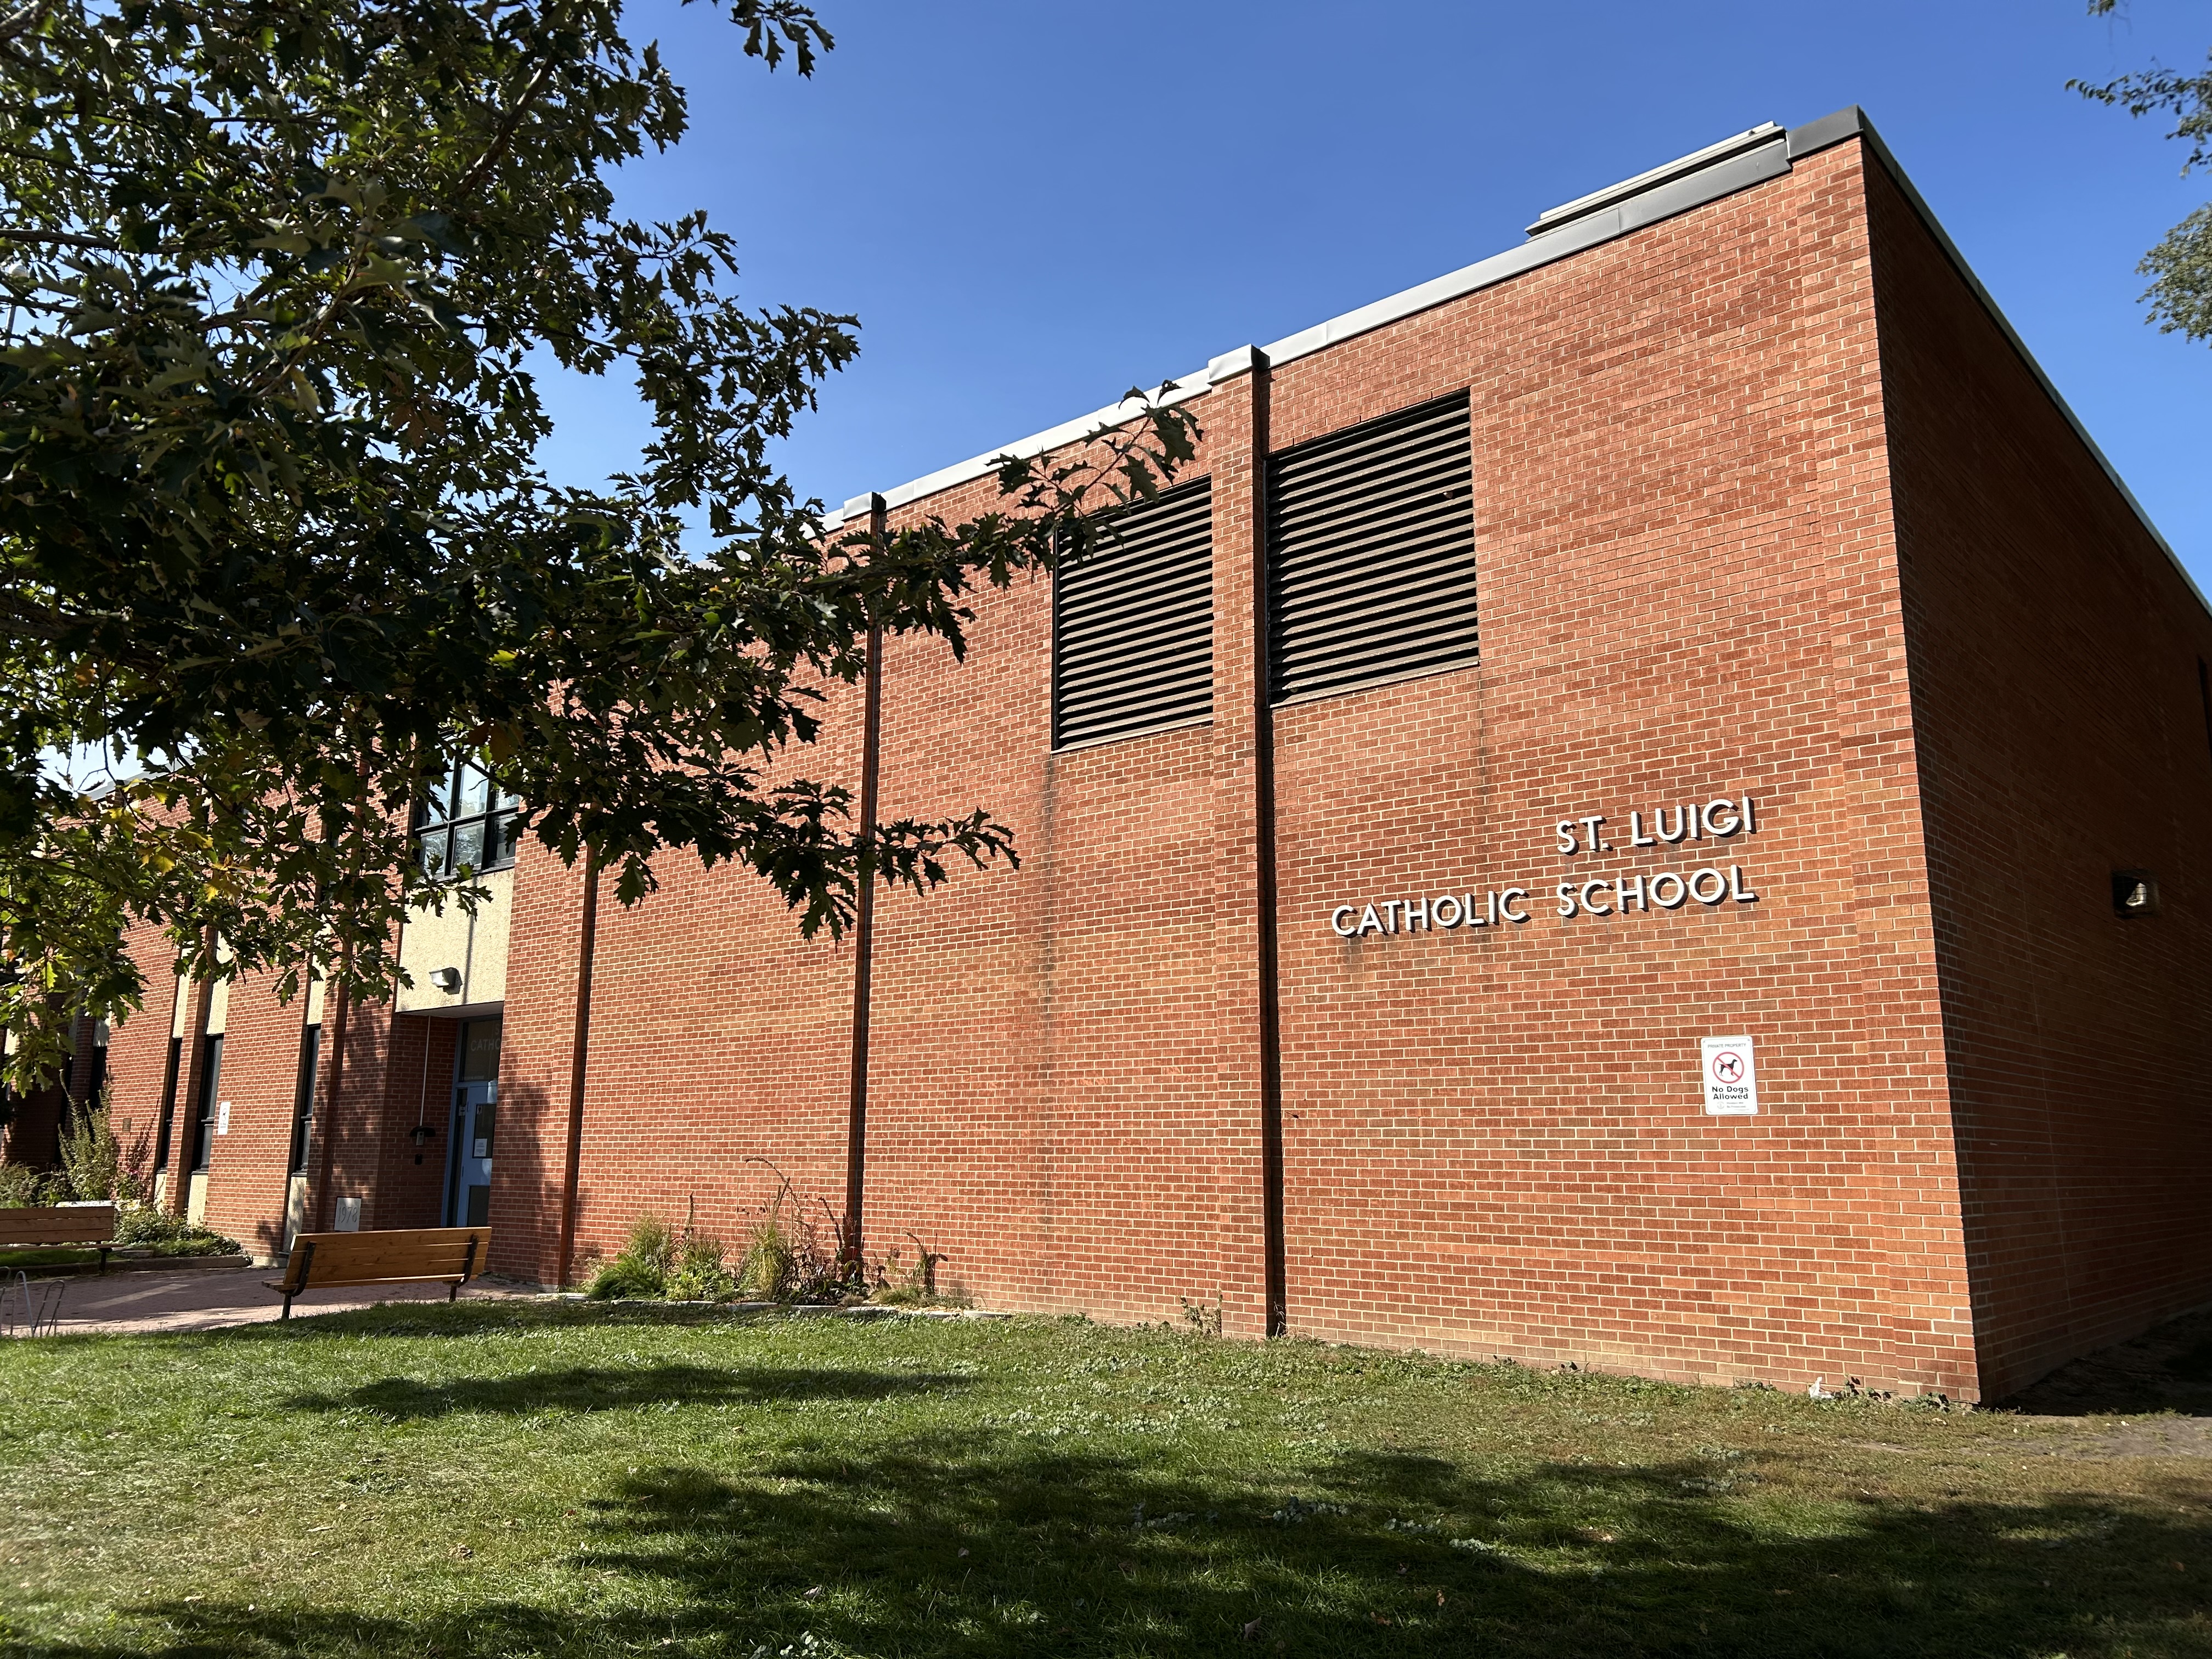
(496, 1479)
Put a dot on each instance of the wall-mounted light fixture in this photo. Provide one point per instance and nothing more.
(448, 980)
(421, 1134)
(2134, 893)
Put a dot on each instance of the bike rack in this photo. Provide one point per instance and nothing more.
(24, 1314)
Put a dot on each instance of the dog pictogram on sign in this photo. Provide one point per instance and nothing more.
(1731, 1076)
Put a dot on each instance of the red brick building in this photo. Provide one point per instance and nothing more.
(1692, 662)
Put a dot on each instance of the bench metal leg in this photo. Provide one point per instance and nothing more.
(302, 1275)
(468, 1267)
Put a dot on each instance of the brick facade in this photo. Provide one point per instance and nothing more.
(2064, 734)
(1767, 505)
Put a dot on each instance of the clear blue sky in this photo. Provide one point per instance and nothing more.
(1031, 207)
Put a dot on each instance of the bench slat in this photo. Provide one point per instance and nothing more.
(398, 1256)
(323, 1284)
(74, 1224)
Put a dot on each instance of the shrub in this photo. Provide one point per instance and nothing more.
(788, 1258)
(902, 1285)
(770, 1269)
(641, 1267)
(22, 1188)
(168, 1235)
(700, 1272)
(783, 1261)
(96, 1164)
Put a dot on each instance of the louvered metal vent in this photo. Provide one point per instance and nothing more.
(1371, 559)
(1132, 622)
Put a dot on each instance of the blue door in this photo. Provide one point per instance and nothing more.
(476, 1111)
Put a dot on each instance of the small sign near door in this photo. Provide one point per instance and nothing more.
(223, 1118)
(1731, 1076)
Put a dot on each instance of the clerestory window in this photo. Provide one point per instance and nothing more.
(468, 822)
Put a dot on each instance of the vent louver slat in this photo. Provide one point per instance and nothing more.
(1372, 553)
(1132, 622)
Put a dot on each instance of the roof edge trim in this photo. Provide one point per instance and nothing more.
(1696, 161)
(1851, 122)
(1750, 157)
(1734, 164)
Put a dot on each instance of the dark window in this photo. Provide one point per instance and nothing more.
(1371, 552)
(2204, 693)
(468, 822)
(1132, 622)
(479, 1049)
(167, 1124)
(204, 1112)
(303, 1099)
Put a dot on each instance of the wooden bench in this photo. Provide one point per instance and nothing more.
(418, 1256)
(52, 1226)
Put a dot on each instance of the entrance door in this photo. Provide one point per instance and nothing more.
(476, 1106)
(476, 1112)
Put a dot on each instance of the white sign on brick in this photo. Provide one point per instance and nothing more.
(1731, 1076)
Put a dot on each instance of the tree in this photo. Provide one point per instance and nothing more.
(2180, 266)
(274, 530)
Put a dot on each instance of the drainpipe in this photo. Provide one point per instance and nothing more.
(323, 1208)
(1263, 814)
(863, 925)
(580, 1053)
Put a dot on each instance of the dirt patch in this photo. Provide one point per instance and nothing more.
(2160, 1436)
(2166, 1369)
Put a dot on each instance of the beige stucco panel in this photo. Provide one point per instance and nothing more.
(474, 945)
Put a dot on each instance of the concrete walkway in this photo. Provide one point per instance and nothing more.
(204, 1300)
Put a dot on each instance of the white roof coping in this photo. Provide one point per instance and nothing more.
(1552, 218)
(1558, 232)
(1562, 231)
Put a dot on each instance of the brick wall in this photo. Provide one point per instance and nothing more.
(1496, 1139)
(533, 1065)
(247, 1171)
(138, 1047)
(1495, 1142)
(2055, 656)
(1735, 540)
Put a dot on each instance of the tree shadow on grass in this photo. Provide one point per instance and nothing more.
(981, 1545)
(466, 1317)
(593, 1387)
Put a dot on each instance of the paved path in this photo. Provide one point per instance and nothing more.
(201, 1299)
